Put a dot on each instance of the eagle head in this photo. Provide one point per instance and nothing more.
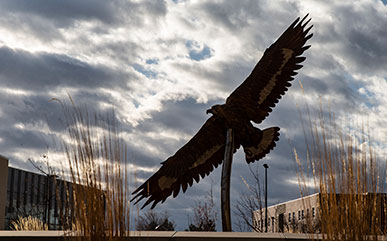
(216, 110)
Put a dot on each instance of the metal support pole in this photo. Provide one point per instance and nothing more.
(266, 167)
(225, 184)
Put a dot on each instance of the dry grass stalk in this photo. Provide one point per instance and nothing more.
(345, 172)
(99, 203)
(28, 224)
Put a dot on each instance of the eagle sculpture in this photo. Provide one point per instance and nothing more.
(253, 100)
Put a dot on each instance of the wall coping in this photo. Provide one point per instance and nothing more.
(172, 235)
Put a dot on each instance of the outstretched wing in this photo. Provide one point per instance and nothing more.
(195, 159)
(271, 77)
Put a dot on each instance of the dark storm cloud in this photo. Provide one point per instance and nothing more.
(186, 116)
(233, 73)
(40, 119)
(233, 14)
(45, 19)
(358, 34)
(28, 109)
(23, 127)
(125, 51)
(42, 72)
(344, 87)
(257, 17)
(64, 13)
(21, 139)
(367, 49)
(226, 76)
(30, 121)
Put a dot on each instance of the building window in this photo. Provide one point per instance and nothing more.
(313, 212)
(299, 215)
(303, 216)
(294, 217)
(307, 213)
(290, 217)
(272, 223)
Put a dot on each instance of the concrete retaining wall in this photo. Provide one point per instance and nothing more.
(161, 236)
(169, 236)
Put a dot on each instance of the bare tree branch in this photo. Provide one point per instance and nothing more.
(205, 215)
(248, 203)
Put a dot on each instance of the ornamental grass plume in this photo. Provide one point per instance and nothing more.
(28, 224)
(98, 205)
(347, 175)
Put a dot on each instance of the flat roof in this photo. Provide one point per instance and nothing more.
(294, 200)
(4, 157)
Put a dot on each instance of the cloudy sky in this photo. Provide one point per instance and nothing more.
(161, 64)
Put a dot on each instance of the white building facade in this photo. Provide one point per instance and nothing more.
(293, 216)
(302, 215)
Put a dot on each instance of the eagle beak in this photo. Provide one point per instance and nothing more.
(209, 111)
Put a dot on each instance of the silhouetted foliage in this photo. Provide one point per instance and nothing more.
(153, 221)
(205, 215)
(203, 226)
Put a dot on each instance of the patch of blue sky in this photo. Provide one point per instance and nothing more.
(136, 103)
(361, 89)
(384, 2)
(152, 61)
(197, 52)
(148, 73)
(368, 97)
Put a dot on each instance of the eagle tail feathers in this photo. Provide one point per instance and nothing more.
(265, 144)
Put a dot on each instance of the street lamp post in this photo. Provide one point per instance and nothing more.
(266, 167)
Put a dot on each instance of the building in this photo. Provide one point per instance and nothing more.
(3, 188)
(288, 216)
(302, 215)
(24, 193)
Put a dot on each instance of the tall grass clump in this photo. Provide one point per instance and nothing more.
(98, 203)
(28, 224)
(343, 166)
